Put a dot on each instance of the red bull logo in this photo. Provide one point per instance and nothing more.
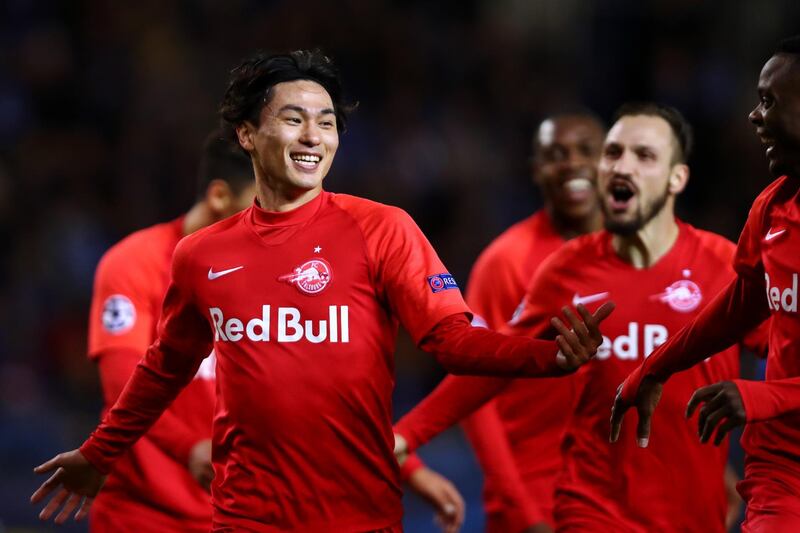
(311, 277)
(682, 296)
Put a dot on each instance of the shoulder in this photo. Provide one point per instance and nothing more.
(371, 216)
(207, 236)
(511, 240)
(138, 253)
(712, 244)
(778, 191)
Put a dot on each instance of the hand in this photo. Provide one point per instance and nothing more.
(400, 449)
(579, 344)
(540, 527)
(647, 398)
(200, 463)
(440, 493)
(722, 402)
(76, 483)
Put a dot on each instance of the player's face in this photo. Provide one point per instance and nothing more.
(777, 115)
(565, 165)
(297, 137)
(634, 172)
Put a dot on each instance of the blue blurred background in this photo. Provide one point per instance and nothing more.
(104, 107)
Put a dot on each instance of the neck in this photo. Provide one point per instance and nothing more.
(198, 217)
(644, 248)
(569, 228)
(279, 199)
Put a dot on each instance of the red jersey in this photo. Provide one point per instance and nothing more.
(520, 457)
(767, 264)
(151, 481)
(622, 486)
(302, 310)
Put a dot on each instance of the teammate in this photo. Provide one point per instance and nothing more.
(161, 483)
(766, 264)
(509, 437)
(300, 297)
(663, 271)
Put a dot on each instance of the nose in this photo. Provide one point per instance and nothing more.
(623, 165)
(755, 116)
(310, 135)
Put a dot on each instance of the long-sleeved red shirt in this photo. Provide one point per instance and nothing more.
(767, 265)
(302, 309)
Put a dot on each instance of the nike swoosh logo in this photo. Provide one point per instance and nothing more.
(215, 275)
(769, 236)
(577, 299)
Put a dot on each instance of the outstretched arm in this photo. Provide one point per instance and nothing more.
(723, 322)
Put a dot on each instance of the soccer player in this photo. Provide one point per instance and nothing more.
(662, 271)
(161, 483)
(300, 297)
(766, 264)
(517, 446)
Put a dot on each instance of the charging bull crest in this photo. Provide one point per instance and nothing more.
(311, 277)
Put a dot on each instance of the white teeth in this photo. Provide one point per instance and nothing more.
(306, 158)
(578, 185)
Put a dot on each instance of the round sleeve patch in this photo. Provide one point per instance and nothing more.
(119, 314)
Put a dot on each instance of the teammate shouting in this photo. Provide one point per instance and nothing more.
(767, 264)
(300, 296)
(663, 271)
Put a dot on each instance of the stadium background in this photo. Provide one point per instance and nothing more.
(104, 106)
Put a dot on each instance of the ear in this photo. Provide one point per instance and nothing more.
(678, 178)
(246, 132)
(219, 197)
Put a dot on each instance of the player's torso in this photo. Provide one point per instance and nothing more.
(780, 249)
(304, 371)
(652, 304)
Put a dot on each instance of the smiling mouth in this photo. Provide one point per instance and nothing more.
(307, 161)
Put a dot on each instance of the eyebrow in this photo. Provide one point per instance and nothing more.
(299, 109)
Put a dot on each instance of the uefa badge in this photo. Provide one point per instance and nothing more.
(119, 314)
(311, 277)
(683, 296)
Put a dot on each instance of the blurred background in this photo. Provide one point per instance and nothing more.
(104, 107)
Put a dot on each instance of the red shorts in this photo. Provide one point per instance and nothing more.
(117, 515)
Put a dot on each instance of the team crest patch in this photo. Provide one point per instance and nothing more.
(119, 314)
(682, 296)
(311, 277)
(442, 282)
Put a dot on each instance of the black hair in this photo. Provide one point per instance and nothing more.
(681, 129)
(790, 45)
(224, 160)
(251, 83)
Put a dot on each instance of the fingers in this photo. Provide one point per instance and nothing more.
(53, 505)
(643, 427)
(48, 466)
(602, 312)
(72, 502)
(578, 326)
(723, 430)
(701, 395)
(48, 486)
(617, 414)
(83, 512)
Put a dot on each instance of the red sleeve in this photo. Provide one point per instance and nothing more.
(736, 310)
(455, 398)
(764, 400)
(757, 339)
(412, 278)
(121, 315)
(170, 434)
(410, 465)
(185, 339)
(462, 348)
(488, 437)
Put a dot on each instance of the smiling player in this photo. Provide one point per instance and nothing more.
(302, 432)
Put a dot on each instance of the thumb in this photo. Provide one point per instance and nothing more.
(449, 509)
